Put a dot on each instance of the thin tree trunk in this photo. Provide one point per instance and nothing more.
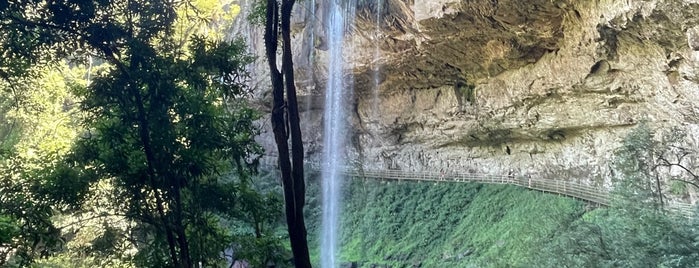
(302, 258)
(292, 177)
(278, 126)
(144, 134)
(180, 229)
(660, 193)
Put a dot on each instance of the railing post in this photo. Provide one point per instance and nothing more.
(558, 187)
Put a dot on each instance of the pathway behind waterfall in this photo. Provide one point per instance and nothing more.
(598, 195)
(592, 194)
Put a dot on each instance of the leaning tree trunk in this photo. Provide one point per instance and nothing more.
(292, 175)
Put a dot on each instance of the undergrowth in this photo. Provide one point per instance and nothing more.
(421, 224)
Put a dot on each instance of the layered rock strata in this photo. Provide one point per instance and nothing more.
(546, 88)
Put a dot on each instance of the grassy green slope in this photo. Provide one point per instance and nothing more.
(403, 224)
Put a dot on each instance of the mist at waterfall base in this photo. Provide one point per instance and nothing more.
(339, 89)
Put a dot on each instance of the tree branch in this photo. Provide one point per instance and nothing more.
(678, 164)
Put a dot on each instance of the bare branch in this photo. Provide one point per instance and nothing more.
(678, 164)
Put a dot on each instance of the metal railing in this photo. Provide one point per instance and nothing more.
(566, 188)
(589, 193)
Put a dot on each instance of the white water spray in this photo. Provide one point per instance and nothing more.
(339, 89)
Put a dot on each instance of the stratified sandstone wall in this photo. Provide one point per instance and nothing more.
(542, 87)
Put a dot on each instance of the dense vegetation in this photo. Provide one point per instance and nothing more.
(401, 224)
(404, 224)
(127, 141)
(410, 224)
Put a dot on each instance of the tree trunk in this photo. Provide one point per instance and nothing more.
(302, 258)
(180, 228)
(660, 192)
(144, 133)
(292, 176)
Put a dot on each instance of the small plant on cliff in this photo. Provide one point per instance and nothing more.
(465, 92)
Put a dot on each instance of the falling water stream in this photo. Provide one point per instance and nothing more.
(338, 91)
(311, 7)
(376, 61)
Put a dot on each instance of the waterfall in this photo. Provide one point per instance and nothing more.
(306, 114)
(376, 62)
(339, 89)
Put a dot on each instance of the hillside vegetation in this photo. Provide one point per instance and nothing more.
(406, 224)
(411, 224)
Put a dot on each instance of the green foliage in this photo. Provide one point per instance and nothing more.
(259, 241)
(9, 229)
(634, 231)
(258, 13)
(9, 134)
(402, 224)
(163, 117)
(635, 162)
(208, 18)
(678, 188)
(72, 260)
(165, 131)
(615, 238)
(40, 129)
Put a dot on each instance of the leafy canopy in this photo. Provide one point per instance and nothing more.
(168, 136)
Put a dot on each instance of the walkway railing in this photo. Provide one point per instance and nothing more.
(589, 193)
(576, 190)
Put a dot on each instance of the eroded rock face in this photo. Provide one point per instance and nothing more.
(542, 87)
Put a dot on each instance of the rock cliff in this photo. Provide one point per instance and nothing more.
(544, 87)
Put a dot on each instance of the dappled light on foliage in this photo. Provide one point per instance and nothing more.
(137, 152)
